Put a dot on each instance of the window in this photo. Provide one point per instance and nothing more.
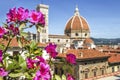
(58, 40)
(118, 68)
(94, 62)
(38, 40)
(56, 70)
(112, 69)
(86, 75)
(94, 73)
(66, 40)
(85, 34)
(34, 36)
(15, 53)
(102, 61)
(43, 40)
(85, 63)
(43, 31)
(102, 71)
(76, 34)
(67, 34)
(49, 40)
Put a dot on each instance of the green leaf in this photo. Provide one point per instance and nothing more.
(23, 34)
(19, 42)
(6, 55)
(63, 77)
(57, 77)
(0, 65)
(21, 59)
(64, 67)
(22, 62)
(15, 74)
(5, 24)
(28, 76)
(22, 25)
(5, 62)
(38, 27)
(33, 45)
(12, 65)
(2, 47)
(24, 65)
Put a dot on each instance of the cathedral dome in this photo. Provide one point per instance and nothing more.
(76, 22)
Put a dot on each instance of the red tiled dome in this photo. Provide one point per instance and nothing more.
(76, 23)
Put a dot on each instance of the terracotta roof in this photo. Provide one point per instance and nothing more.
(88, 41)
(42, 45)
(84, 54)
(114, 58)
(14, 42)
(76, 23)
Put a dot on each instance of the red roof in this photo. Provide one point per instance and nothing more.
(88, 41)
(114, 58)
(14, 43)
(84, 53)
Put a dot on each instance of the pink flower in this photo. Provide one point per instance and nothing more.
(69, 77)
(13, 30)
(37, 18)
(30, 63)
(71, 58)
(3, 72)
(43, 73)
(2, 32)
(51, 49)
(41, 59)
(15, 15)
(1, 55)
(12, 15)
(22, 14)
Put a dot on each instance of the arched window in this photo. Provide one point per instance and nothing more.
(94, 73)
(86, 75)
(102, 71)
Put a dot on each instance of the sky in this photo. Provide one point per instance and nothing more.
(103, 16)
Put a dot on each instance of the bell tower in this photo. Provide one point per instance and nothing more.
(43, 35)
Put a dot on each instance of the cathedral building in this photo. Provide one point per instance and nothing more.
(76, 32)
